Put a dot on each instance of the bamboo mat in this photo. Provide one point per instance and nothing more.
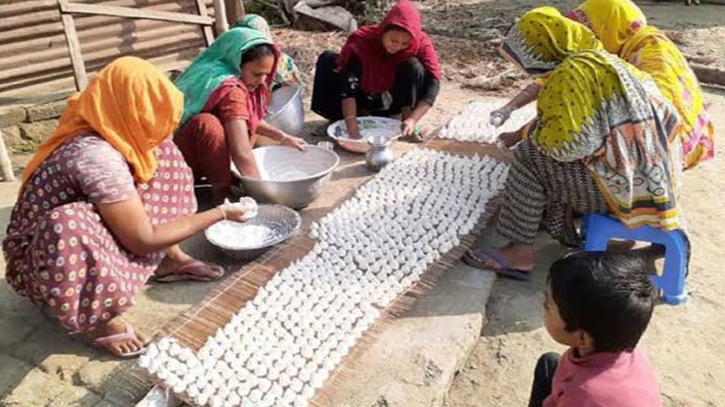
(192, 327)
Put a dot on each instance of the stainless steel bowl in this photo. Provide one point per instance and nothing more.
(288, 176)
(286, 111)
(282, 221)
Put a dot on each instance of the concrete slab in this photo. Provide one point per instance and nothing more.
(14, 330)
(414, 360)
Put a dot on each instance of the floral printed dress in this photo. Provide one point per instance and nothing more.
(59, 252)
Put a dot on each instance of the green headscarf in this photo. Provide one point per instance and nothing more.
(256, 22)
(217, 63)
(287, 71)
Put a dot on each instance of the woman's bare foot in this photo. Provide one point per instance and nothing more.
(179, 266)
(519, 256)
(119, 338)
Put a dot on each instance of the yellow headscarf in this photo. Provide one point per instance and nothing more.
(597, 109)
(613, 21)
(623, 29)
(131, 104)
(651, 51)
(543, 38)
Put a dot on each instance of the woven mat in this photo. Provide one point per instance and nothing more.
(192, 327)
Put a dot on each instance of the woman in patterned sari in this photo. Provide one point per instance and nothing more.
(622, 28)
(103, 205)
(603, 141)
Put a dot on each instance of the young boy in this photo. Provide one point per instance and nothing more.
(599, 304)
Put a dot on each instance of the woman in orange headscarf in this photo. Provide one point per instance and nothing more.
(103, 205)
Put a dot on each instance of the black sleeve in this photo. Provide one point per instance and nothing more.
(350, 76)
(431, 87)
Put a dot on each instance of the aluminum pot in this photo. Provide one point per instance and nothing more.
(288, 176)
(286, 111)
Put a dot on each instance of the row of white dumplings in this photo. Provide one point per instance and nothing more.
(284, 344)
(474, 122)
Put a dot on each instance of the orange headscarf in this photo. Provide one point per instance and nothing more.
(131, 104)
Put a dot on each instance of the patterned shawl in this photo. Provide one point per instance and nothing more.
(623, 29)
(598, 109)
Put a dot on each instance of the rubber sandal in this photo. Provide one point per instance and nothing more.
(502, 267)
(105, 342)
(184, 273)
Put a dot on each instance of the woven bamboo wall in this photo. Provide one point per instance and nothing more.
(34, 57)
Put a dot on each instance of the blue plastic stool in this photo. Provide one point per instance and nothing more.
(599, 229)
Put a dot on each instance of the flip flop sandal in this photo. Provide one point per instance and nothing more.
(106, 341)
(495, 263)
(185, 273)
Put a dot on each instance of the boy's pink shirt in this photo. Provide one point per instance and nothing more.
(623, 379)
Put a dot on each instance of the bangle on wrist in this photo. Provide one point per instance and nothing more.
(224, 213)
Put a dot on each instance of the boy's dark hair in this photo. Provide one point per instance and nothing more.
(257, 52)
(609, 296)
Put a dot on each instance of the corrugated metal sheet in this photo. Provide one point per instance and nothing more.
(34, 58)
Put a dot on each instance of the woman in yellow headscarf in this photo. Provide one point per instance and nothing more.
(622, 28)
(103, 205)
(603, 141)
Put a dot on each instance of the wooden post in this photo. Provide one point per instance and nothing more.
(220, 17)
(235, 10)
(74, 47)
(6, 167)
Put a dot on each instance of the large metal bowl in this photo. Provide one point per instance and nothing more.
(287, 112)
(370, 126)
(283, 223)
(289, 177)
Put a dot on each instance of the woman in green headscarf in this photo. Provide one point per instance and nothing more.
(226, 90)
(604, 140)
(287, 72)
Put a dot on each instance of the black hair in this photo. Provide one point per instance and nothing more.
(395, 27)
(607, 295)
(257, 52)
